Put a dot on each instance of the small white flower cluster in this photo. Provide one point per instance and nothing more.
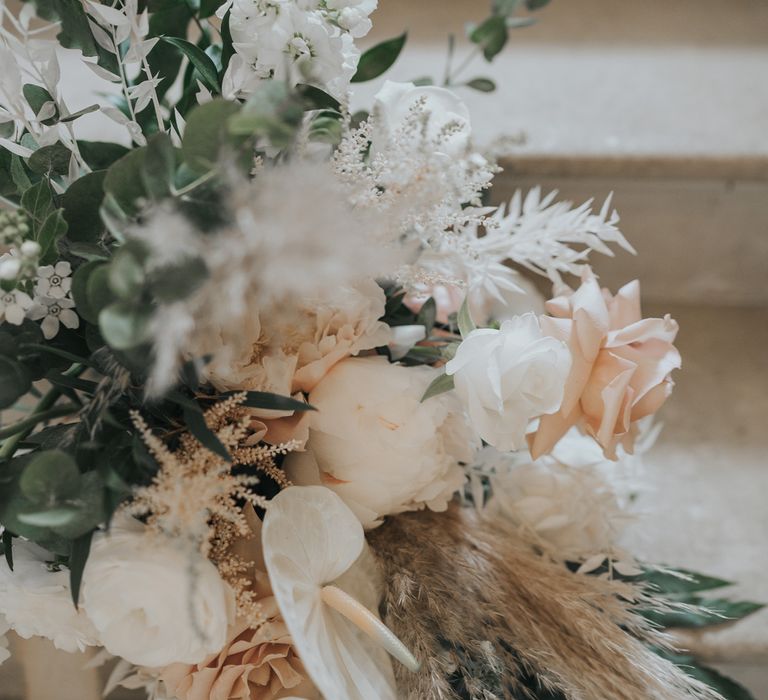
(52, 303)
(308, 41)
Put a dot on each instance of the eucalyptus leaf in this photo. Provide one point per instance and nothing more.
(482, 84)
(159, 166)
(124, 182)
(124, 325)
(205, 134)
(427, 315)
(378, 59)
(51, 476)
(14, 382)
(171, 283)
(464, 319)
(37, 201)
(53, 228)
(490, 36)
(439, 386)
(81, 203)
(36, 97)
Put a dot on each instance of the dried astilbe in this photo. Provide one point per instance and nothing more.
(195, 493)
(490, 619)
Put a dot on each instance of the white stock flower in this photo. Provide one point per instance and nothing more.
(154, 601)
(378, 446)
(281, 40)
(14, 306)
(52, 312)
(54, 281)
(566, 505)
(507, 377)
(35, 600)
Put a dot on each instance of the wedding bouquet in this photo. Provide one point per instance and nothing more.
(285, 415)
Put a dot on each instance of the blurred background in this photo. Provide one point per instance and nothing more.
(665, 105)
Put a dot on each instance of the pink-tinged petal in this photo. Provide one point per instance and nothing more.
(559, 307)
(647, 329)
(551, 429)
(625, 306)
(50, 327)
(14, 314)
(69, 318)
(653, 400)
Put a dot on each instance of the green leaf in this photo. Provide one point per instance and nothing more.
(505, 7)
(272, 402)
(195, 422)
(126, 272)
(124, 182)
(81, 548)
(36, 97)
(681, 581)
(227, 45)
(482, 84)
(19, 174)
(464, 319)
(81, 203)
(14, 382)
(423, 81)
(124, 325)
(199, 59)
(427, 315)
(90, 290)
(273, 111)
(56, 517)
(80, 113)
(75, 32)
(101, 154)
(727, 687)
(50, 477)
(38, 202)
(175, 282)
(159, 166)
(439, 386)
(379, 59)
(536, 4)
(208, 8)
(316, 98)
(205, 133)
(7, 538)
(703, 613)
(53, 228)
(491, 36)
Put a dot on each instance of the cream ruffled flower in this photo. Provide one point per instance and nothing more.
(153, 601)
(621, 365)
(36, 601)
(378, 446)
(507, 377)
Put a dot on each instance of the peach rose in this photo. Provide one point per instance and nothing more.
(621, 365)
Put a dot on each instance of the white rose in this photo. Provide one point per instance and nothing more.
(153, 602)
(507, 377)
(448, 125)
(35, 600)
(374, 442)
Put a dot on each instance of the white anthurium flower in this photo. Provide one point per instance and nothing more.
(52, 312)
(154, 600)
(54, 281)
(507, 377)
(14, 306)
(36, 601)
(326, 584)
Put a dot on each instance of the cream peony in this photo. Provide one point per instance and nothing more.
(508, 377)
(35, 600)
(153, 601)
(621, 365)
(340, 327)
(375, 444)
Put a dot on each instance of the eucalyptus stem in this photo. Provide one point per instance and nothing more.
(38, 417)
(43, 406)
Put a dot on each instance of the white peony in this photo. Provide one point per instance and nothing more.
(153, 601)
(566, 505)
(375, 444)
(507, 377)
(35, 600)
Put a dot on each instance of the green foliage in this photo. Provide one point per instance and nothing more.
(464, 319)
(36, 97)
(482, 84)
(15, 381)
(273, 113)
(379, 59)
(81, 203)
(203, 64)
(206, 134)
(490, 36)
(438, 386)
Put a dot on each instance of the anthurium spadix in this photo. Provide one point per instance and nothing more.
(326, 584)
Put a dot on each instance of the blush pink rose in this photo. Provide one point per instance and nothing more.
(621, 365)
